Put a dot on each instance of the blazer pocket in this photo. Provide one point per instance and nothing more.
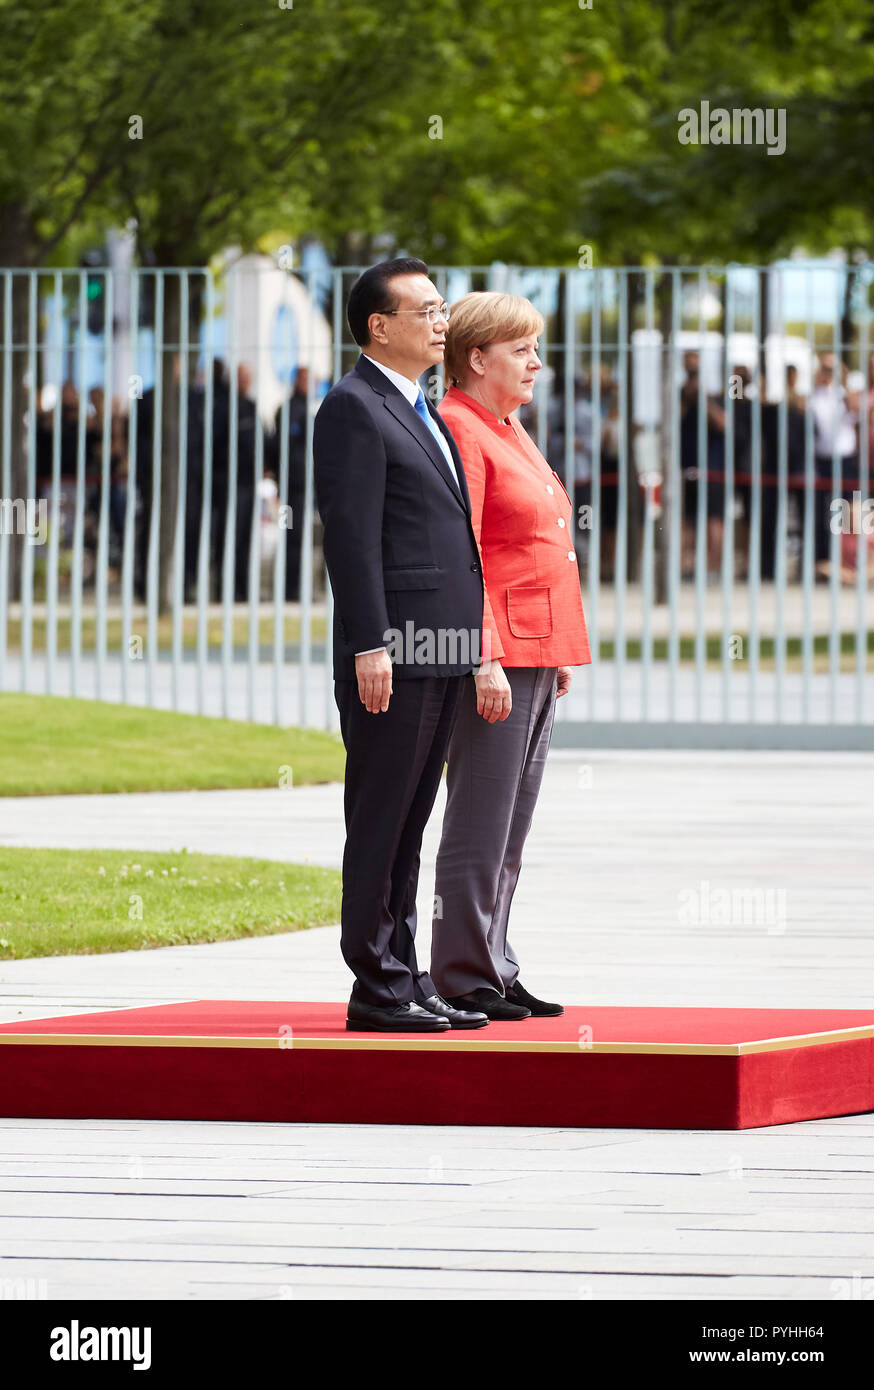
(411, 577)
(529, 612)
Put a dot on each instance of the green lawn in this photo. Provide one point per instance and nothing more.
(291, 629)
(57, 902)
(54, 744)
(713, 646)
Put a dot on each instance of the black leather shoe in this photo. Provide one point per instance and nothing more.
(537, 1007)
(458, 1018)
(492, 1004)
(400, 1018)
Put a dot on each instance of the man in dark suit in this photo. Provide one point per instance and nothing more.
(408, 602)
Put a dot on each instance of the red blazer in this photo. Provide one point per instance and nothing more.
(522, 520)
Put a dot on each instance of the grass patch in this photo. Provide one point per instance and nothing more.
(54, 744)
(608, 650)
(291, 629)
(57, 902)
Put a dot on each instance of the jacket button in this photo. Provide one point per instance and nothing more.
(571, 555)
(550, 489)
(475, 567)
(560, 520)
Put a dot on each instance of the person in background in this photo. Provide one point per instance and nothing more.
(610, 465)
(219, 496)
(583, 424)
(834, 433)
(794, 453)
(246, 429)
(742, 395)
(714, 462)
(297, 431)
(45, 426)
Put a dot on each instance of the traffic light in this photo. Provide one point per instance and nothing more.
(95, 289)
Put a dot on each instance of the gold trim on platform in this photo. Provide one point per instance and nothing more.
(455, 1043)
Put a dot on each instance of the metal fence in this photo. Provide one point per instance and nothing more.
(159, 542)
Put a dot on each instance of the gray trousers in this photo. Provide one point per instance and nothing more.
(493, 780)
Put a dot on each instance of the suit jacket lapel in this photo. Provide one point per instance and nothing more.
(406, 415)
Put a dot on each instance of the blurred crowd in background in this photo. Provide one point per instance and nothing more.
(835, 408)
(274, 527)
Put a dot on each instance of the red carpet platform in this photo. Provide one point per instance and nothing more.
(654, 1068)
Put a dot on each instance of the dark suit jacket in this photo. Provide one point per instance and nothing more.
(398, 539)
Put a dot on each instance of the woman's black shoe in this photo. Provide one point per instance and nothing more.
(538, 1008)
(492, 1004)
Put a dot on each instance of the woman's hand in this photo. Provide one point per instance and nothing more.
(565, 676)
(493, 696)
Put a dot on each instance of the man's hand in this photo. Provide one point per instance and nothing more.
(493, 696)
(565, 676)
(373, 671)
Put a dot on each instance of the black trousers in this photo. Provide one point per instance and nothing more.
(822, 499)
(394, 762)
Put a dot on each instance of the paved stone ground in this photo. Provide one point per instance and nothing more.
(621, 840)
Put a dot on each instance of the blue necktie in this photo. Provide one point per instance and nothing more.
(423, 411)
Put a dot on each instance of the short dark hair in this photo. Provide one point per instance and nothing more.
(371, 295)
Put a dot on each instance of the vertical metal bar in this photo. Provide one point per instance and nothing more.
(287, 516)
(569, 420)
(33, 407)
(676, 496)
(330, 706)
(728, 501)
(834, 635)
(55, 522)
(6, 483)
(181, 494)
(205, 531)
(781, 542)
(230, 547)
(648, 560)
(102, 576)
(755, 536)
(155, 518)
(130, 503)
(77, 578)
(440, 276)
(810, 501)
(306, 550)
(701, 537)
(255, 533)
(861, 536)
(593, 624)
(620, 554)
(569, 395)
(540, 393)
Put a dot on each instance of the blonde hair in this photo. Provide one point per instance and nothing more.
(484, 317)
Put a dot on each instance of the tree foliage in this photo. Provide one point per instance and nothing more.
(464, 129)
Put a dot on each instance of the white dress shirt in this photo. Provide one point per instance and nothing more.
(832, 421)
(410, 391)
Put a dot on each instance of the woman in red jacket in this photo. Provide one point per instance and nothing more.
(533, 632)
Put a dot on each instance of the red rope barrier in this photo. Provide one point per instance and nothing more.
(770, 479)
